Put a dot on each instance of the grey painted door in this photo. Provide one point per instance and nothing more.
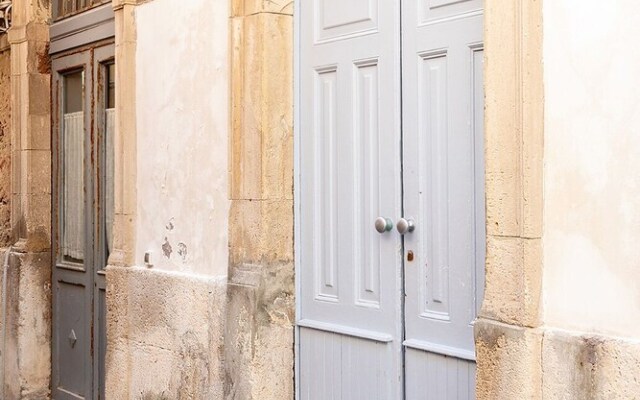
(390, 126)
(81, 96)
(443, 175)
(350, 280)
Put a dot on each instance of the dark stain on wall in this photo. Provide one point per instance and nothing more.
(166, 248)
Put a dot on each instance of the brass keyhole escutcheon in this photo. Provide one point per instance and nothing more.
(410, 256)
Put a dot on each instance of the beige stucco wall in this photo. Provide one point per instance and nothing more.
(165, 321)
(182, 124)
(592, 184)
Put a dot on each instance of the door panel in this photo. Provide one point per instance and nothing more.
(104, 120)
(72, 270)
(443, 194)
(353, 367)
(438, 377)
(350, 150)
(438, 11)
(72, 344)
(82, 129)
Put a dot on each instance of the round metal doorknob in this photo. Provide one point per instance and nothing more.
(383, 224)
(405, 226)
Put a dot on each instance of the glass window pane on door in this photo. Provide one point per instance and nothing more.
(72, 173)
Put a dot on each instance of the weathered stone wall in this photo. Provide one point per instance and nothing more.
(5, 174)
(5, 143)
(164, 335)
(552, 338)
(28, 341)
(508, 344)
(579, 366)
(165, 317)
(259, 333)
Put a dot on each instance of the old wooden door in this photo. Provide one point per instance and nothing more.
(83, 102)
(390, 210)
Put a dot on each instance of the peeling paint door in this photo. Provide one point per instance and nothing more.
(82, 98)
(390, 210)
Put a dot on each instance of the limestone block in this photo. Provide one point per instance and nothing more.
(277, 119)
(578, 366)
(619, 369)
(38, 100)
(125, 142)
(5, 147)
(19, 59)
(509, 362)
(34, 12)
(261, 231)
(123, 240)
(249, 7)
(36, 60)
(37, 208)
(38, 174)
(28, 347)
(262, 107)
(10, 356)
(513, 281)
(514, 117)
(164, 334)
(532, 119)
(39, 132)
(259, 332)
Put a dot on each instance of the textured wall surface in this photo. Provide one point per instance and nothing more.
(259, 333)
(165, 321)
(5, 147)
(182, 128)
(592, 121)
(579, 366)
(164, 335)
(558, 315)
(508, 342)
(513, 157)
(28, 362)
